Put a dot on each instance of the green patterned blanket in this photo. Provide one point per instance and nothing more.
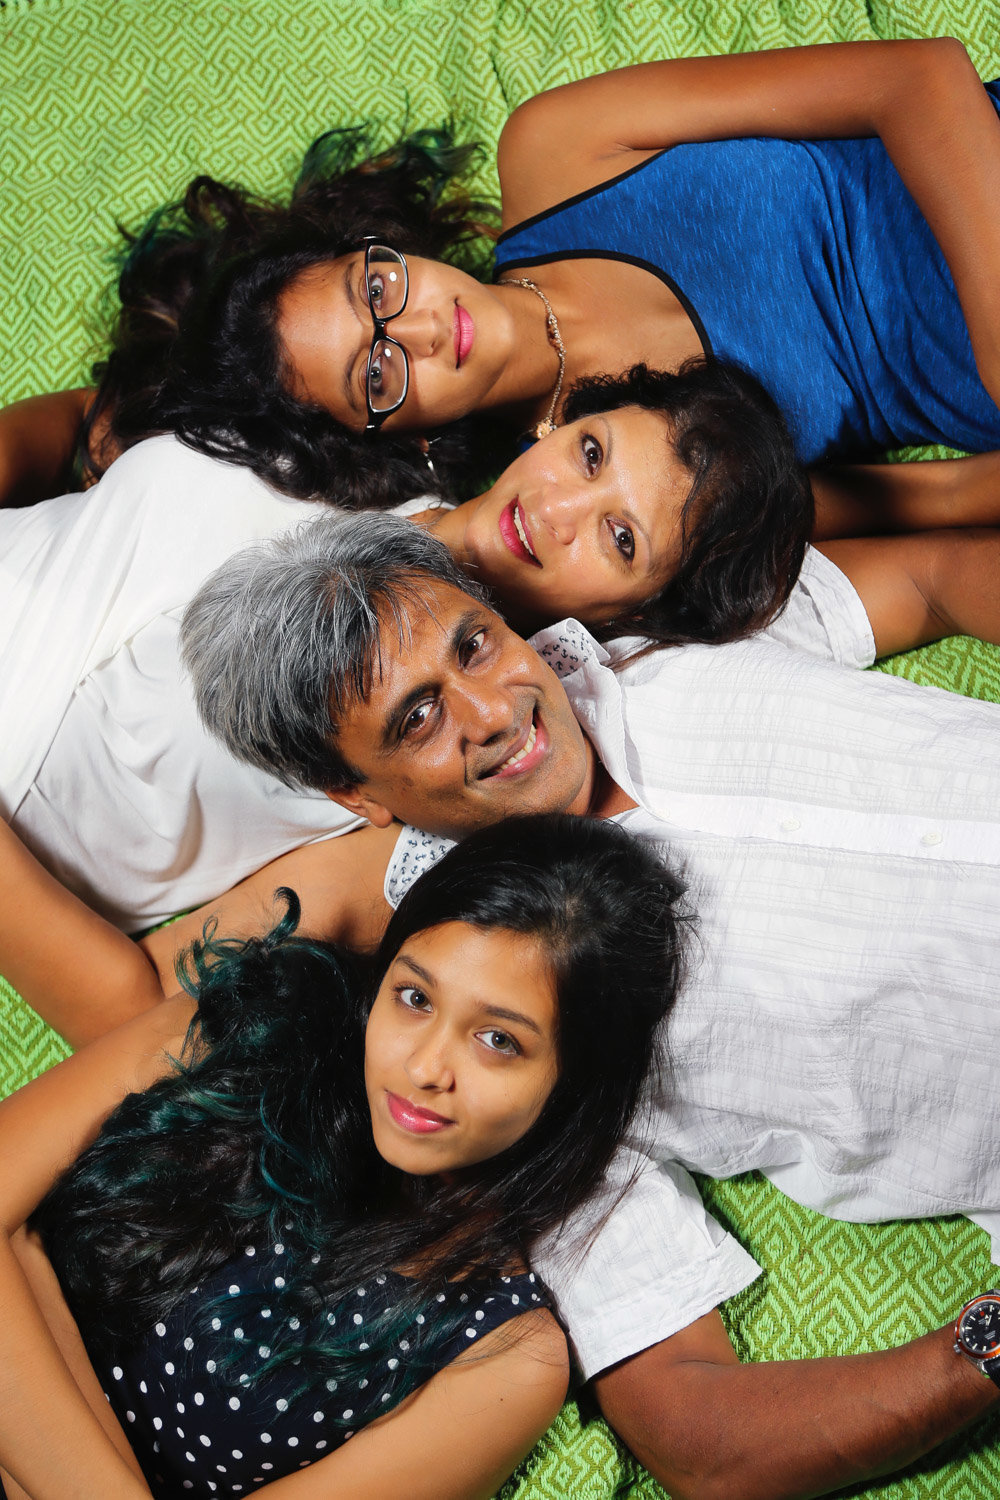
(107, 108)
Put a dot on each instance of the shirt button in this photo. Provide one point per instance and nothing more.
(931, 838)
(790, 825)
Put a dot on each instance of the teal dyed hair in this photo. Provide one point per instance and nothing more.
(262, 1131)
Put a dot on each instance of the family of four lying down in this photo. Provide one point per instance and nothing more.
(491, 941)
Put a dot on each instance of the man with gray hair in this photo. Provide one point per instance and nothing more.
(329, 588)
(840, 834)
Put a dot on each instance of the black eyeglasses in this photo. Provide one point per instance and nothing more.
(387, 378)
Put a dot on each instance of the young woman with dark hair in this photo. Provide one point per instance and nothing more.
(309, 1216)
(192, 346)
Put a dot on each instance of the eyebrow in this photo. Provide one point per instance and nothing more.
(396, 712)
(503, 1014)
(632, 520)
(350, 391)
(499, 1011)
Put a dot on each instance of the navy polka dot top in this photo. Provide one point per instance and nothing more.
(200, 1428)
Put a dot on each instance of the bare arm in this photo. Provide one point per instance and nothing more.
(82, 975)
(854, 500)
(47, 1292)
(338, 881)
(708, 1427)
(51, 1441)
(920, 588)
(38, 438)
(458, 1436)
(923, 98)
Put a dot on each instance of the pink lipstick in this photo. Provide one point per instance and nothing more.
(516, 536)
(464, 333)
(411, 1117)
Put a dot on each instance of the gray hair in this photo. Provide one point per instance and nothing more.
(287, 635)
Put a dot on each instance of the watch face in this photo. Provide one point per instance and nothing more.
(979, 1328)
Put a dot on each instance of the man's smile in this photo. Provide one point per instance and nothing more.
(526, 751)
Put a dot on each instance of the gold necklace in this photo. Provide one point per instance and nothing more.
(546, 425)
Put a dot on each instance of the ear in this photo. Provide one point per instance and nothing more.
(362, 806)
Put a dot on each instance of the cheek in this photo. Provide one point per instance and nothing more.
(381, 1050)
(508, 1114)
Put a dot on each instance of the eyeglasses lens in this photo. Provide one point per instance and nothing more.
(386, 376)
(387, 286)
(387, 281)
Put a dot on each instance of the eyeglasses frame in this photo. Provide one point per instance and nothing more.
(376, 418)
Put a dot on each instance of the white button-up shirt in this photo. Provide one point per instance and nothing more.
(840, 834)
(106, 772)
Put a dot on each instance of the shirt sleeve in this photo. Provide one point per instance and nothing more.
(825, 616)
(638, 1262)
(418, 504)
(414, 852)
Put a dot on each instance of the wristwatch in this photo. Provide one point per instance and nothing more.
(977, 1334)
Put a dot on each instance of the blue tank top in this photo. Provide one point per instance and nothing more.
(809, 264)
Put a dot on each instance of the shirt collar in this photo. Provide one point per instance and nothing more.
(586, 669)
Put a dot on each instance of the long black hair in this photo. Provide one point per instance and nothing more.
(264, 1129)
(748, 514)
(194, 347)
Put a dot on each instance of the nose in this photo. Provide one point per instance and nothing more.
(429, 1063)
(561, 508)
(417, 329)
(488, 709)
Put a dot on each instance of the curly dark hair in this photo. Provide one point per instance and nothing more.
(194, 348)
(748, 514)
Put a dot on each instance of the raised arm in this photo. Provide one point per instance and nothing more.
(922, 97)
(708, 1427)
(920, 588)
(51, 1441)
(80, 974)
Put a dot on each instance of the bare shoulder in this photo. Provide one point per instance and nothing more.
(576, 136)
(547, 152)
(498, 1400)
(532, 1344)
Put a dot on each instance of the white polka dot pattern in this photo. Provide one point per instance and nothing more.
(272, 1427)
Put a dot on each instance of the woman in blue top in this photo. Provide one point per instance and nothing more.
(703, 206)
(824, 216)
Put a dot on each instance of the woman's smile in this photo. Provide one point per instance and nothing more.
(515, 533)
(412, 1117)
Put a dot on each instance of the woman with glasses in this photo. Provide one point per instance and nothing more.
(821, 216)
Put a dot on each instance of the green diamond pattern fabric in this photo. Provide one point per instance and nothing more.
(107, 108)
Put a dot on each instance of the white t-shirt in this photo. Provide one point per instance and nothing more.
(840, 834)
(105, 769)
